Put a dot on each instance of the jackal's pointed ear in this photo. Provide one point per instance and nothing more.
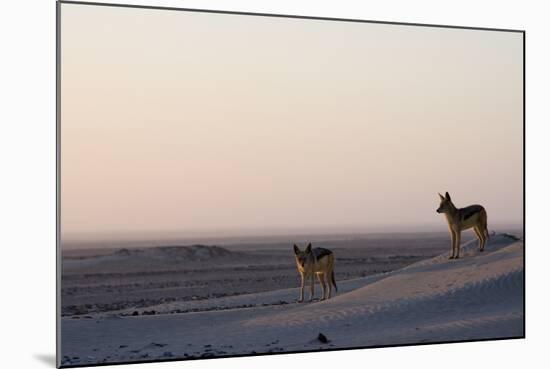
(296, 249)
(441, 196)
(308, 248)
(447, 196)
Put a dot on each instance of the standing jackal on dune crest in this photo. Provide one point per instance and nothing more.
(473, 216)
(318, 261)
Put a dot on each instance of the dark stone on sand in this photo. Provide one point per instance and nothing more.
(158, 344)
(135, 313)
(321, 337)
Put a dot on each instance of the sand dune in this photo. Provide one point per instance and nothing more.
(478, 296)
(476, 279)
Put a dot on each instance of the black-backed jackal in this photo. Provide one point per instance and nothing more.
(473, 216)
(315, 261)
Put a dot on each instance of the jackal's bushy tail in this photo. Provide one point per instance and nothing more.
(333, 281)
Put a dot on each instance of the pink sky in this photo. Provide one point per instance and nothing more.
(179, 121)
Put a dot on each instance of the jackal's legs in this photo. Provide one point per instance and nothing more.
(457, 242)
(480, 237)
(321, 277)
(453, 241)
(329, 283)
(312, 290)
(485, 236)
(302, 288)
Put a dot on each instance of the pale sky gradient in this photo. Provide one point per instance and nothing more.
(183, 121)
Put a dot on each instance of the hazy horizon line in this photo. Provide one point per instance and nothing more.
(248, 235)
(278, 229)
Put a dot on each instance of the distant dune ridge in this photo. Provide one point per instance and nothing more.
(149, 259)
(193, 252)
(172, 253)
(476, 297)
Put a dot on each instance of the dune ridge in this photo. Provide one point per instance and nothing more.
(477, 279)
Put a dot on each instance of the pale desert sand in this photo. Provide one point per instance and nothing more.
(479, 296)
